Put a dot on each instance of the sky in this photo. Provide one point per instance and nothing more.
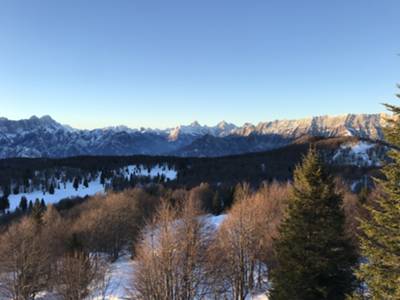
(145, 63)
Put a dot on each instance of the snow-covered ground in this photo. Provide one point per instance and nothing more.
(120, 279)
(361, 154)
(158, 170)
(361, 148)
(117, 283)
(121, 272)
(215, 221)
(67, 191)
(259, 297)
(120, 276)
(63, 191)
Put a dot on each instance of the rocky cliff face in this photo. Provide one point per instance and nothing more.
(362, 125)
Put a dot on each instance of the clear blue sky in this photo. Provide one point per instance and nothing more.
(161, 63)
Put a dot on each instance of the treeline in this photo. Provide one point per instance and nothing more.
(47, 179)
(19, 175)
(254, 168)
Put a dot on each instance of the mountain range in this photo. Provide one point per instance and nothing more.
(45, 137)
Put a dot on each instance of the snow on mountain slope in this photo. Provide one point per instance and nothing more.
(195, 129)
(361, 153)
(44, 137)
(362, 125)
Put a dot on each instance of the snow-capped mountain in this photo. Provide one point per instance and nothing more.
(44, 137)
(195, 129)
(361, 125)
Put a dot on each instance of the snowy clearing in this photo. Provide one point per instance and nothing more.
(66, 190)
(360, 154)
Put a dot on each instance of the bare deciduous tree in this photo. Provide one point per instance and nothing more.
(242, 250)
(78, 274)
(203, 195)
(23, 261)
(114, 222)
(171, 256)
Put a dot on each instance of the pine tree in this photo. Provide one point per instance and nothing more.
(85, 183)
(43, 205)
(76, 183)
(314, 259)
(23, 204)
(380, 241)
(6, 189)
(30, 206)
(216, 204)
(51, 189)
(4, 203)
(102, 178)
(16, 189)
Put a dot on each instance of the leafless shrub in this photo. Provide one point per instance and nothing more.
(171, 255)
(55, 231)
(203, 195)
(243, 246)
(79, 273)
(114, 221)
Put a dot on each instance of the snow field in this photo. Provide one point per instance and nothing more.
(94, 186)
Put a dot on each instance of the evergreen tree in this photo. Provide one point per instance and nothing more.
(216, 204)
(43, 205)
(228, 195)
(380, 241)
(102, 178)
(132, 182)
(30, 206)
(76, 183)
(51, 188)
(16, 189)
(26, 182)
(314, 258)
(23, 204)
(4, 203)
(85, 183)
(6, 190)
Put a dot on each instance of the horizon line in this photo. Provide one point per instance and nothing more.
(193, 123)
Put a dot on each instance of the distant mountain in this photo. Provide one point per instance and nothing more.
(44, 137)
(195, 129)
(210, 146)
(362, 125)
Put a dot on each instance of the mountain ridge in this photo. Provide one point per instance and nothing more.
(45, 137)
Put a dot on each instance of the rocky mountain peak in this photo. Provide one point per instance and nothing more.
(35, 137)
